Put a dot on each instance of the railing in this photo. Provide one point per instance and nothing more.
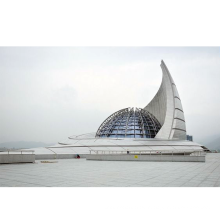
(17, 151)
(151, 152)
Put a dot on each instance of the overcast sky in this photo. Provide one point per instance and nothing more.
(50, 93)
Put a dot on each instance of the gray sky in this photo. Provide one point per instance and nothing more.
(50, 93)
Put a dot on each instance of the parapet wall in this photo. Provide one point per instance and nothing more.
(57, 156)
(17, 158)
(161, 158)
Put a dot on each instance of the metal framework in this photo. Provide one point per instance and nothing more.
(129, 123)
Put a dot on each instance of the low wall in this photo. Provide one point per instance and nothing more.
(57, 156)
(17, 158)
(162, 158)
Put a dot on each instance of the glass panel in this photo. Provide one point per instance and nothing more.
(130, 127)
(138, 136)
(130, 136)
(114, 132)
(137, 127)
(138, 132)
(112, 136)
(130, 131)
(121, 131)
(120, 135)
(122, 127)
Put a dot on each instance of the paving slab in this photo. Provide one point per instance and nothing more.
(84, 173)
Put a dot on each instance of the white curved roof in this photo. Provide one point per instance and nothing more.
(83, 146)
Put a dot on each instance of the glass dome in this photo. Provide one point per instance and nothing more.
(129, 123)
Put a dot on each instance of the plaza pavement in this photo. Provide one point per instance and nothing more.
(83, 173)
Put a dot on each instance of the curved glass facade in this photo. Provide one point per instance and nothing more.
(129, 123)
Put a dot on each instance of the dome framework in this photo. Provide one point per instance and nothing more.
(129, 123)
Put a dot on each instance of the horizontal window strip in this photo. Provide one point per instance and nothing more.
(176, 97)
(179, 119)
(179, 129)
(179, 109)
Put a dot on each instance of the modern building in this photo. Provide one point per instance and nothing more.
(189, 137)
(160, 125)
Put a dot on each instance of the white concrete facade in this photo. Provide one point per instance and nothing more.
(167, 108)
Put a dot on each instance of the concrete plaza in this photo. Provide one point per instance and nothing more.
(84, 173)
